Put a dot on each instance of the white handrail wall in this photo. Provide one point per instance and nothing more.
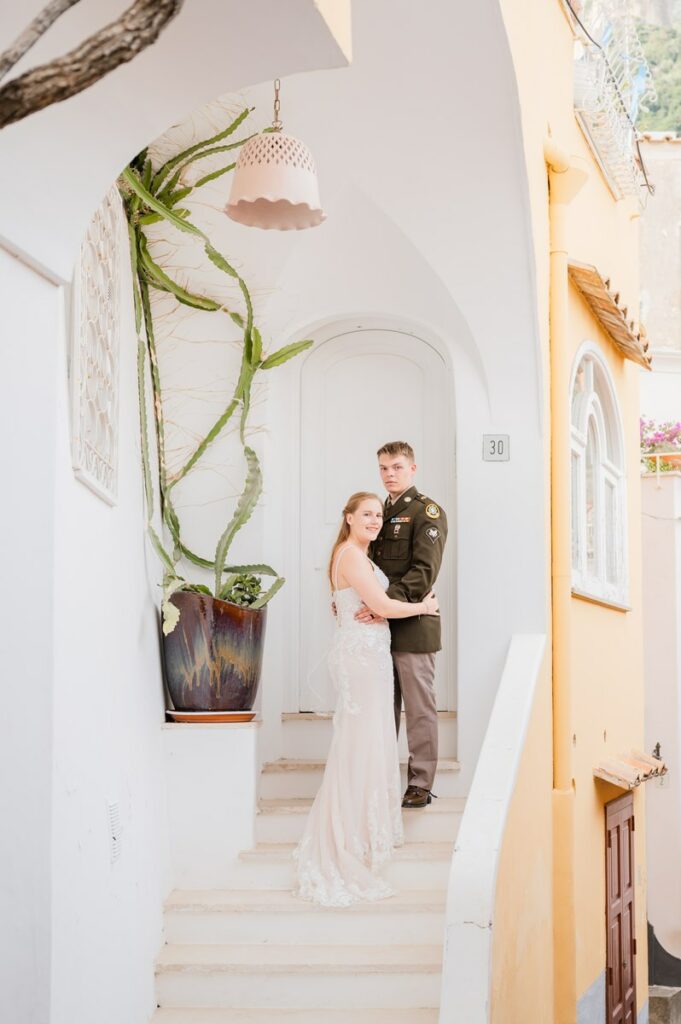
(471, 897)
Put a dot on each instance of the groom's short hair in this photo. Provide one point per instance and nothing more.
(397, 448)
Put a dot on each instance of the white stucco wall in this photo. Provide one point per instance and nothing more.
(108, 710)
(30, 311)
(660, 260)
(212, 775)
(662, 625)
(660, 254)
(661, 389)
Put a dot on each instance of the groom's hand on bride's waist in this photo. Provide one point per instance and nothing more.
(366, 615)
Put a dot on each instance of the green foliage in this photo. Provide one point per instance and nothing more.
(265, 597)
(263, 570)
(662, 49)
(244, 590)
(284, 354)
(243, 512)
(151, 197)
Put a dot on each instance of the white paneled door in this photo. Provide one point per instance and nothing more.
(359, 390)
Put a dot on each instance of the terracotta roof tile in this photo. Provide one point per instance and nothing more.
(626, 335)
(629, 770)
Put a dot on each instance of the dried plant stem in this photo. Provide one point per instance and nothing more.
(102, 52)
(32, 33)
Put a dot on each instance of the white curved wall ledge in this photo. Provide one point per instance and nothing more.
(467, 964)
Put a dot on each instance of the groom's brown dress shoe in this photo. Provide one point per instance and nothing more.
(415, 796)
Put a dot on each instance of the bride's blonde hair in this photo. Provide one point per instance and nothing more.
(351, 506)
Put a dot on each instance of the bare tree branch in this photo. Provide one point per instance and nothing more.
(35, 30)
(105, 50)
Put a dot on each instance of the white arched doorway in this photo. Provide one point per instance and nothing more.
(363, 385)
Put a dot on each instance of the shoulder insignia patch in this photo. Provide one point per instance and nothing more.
(432, 533)
(432, 510)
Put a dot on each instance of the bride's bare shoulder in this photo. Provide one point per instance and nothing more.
(354, 564)
(352, 558)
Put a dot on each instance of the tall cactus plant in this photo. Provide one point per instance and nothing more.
(154, 195)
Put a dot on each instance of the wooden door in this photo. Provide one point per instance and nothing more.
(359, 390)
(619, 910)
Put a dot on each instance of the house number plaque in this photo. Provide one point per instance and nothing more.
(496, 447)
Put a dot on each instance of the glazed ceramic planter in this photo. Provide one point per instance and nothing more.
(213, 656)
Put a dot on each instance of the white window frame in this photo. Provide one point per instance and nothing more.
(598, 405)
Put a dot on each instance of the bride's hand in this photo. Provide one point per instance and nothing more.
(432, 604)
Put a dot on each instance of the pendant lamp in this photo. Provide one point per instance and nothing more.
(275, 181)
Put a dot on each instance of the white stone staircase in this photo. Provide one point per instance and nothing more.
(257, 954)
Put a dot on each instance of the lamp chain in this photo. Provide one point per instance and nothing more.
(276, 124)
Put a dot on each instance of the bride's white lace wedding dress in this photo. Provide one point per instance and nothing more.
(356, 818)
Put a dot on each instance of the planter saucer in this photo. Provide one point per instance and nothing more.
(210, 716)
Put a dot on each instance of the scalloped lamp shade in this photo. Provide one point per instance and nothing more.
(275, 185)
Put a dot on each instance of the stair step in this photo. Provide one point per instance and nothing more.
(318, 716)
(274, 1015)
(299, 777)
(408, 852)
(290, 959)
(295, 764)
(413, 866)
(275, 916)
(665, 1004)
(257, 976)
(308, 734)
(302, 805)
(283, 820)
(281, 901)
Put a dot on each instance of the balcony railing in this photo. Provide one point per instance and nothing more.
(611, 81)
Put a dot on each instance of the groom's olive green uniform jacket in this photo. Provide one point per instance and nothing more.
(409, 551)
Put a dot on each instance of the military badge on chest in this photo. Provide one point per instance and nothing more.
(397, 523)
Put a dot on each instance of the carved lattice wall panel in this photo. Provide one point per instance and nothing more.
(95, 351)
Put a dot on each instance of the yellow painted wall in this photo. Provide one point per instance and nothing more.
(522, 979)
(338, 16)
(607, 665)
(605, 645)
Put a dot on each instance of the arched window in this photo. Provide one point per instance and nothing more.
(598, 483)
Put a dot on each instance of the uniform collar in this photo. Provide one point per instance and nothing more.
(402, 502)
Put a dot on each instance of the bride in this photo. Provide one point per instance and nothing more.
(356, 819)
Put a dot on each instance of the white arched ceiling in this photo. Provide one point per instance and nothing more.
(56, 165)
(418, 139)
(426, 123)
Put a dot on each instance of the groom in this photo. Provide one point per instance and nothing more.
(409, 551)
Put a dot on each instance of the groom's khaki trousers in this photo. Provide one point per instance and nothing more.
(414, 676)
